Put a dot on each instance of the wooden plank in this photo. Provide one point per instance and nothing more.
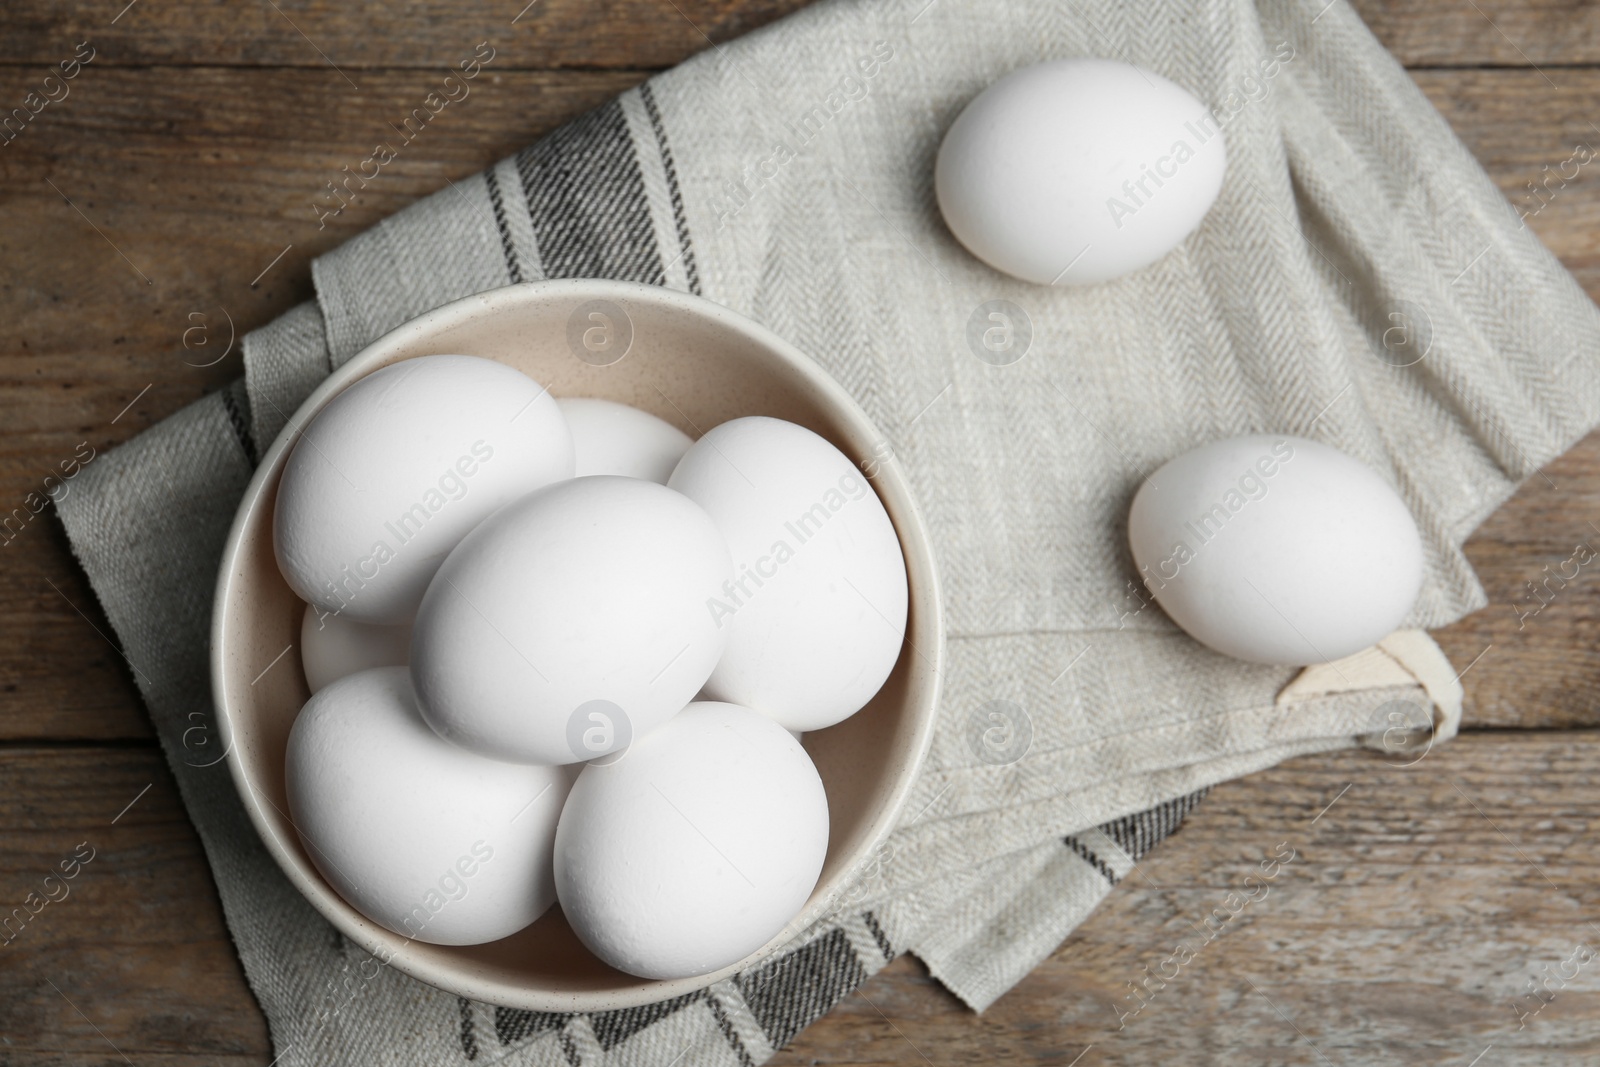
(1549, 34)
(322, 34)
(1539, 638)
(131, 958)
(63, 676)
(556, 34)
(559, 33)
(1405, 930)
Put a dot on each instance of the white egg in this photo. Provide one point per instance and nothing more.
(1276, 549)
(612, 438)
(398, 467)
(332, 646)
(1078, 170)
(815, 612)
(572, 621)
(694, 848)
(426, 839)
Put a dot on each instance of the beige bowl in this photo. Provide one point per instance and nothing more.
(695, 364)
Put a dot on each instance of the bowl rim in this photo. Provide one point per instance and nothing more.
(922, 574)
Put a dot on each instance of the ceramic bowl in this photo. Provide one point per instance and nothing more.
(695, 364)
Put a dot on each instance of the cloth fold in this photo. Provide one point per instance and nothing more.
(1359, 281)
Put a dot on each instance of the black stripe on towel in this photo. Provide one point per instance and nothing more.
(1087, 855)
(685, 249)
(729, 1034)
(612, 1028)
(792, 991)
(587, 201)
(492, 183)
(236, 403)
(1140, 832)
(878, 935)
(513, 1024)
(469, 1040)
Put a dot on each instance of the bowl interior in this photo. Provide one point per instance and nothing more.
(695, 365)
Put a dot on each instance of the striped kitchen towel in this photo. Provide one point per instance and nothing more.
(1358, 281)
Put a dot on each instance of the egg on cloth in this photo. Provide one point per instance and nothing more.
(332, 646)
(572, 621)
(393, 472)
(426, 839)
(695, 847)
(815, 611)
(613, 438)
(1077, 171)
(1276, 549)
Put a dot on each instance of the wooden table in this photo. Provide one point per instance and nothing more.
(172, 190)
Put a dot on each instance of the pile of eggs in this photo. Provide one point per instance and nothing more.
(558, 651)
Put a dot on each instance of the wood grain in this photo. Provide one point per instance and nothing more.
(1418, 903)
(1540, 664)
(542, 35)
(186, 159)
(1549, 34)
(134, 953)
(1414, 911)
(579, 34)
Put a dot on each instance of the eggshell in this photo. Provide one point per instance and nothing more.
(332, 646)
(1077, 171)
(696, 847)
(1276, 549)
(424, 838)
(612, 438)
(816, 610)
(398, 467)
(572, 621)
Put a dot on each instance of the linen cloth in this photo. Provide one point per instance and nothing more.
(1359, 281)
